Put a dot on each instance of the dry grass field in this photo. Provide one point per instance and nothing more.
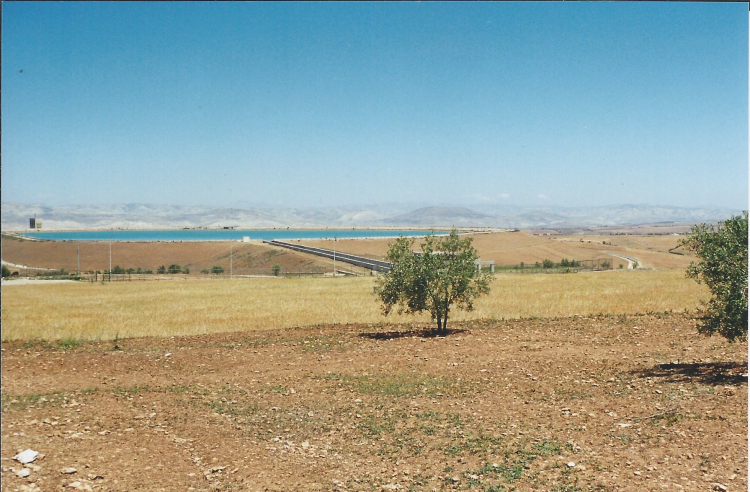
(93, 311)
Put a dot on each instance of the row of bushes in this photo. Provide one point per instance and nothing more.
(564, 263)
(171, 269)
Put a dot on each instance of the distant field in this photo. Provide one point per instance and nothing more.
(106, 311)
(506, 249)
(512, 248)
(94, 255)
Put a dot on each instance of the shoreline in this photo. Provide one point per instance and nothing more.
(24, 235)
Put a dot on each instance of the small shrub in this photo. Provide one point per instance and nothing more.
(68, 343)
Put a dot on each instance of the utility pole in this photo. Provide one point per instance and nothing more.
(110, 259)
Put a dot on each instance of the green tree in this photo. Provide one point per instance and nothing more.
(548, 264)
(6, 271)
(276, 269)
(174, 268)
(722, 266)
(442, 276)
(186, 269)
(161, 269)
(217, 269)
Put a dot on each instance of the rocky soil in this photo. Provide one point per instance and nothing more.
(599, 403)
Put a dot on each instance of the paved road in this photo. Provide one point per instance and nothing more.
(13, 265)
(31, 281)
(632, 262)
(380, 266)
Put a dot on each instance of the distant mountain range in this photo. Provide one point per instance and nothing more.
(15, 216)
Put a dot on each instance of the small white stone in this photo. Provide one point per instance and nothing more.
(23, 473)
(27, 456)
(571, 464)
(68, 470)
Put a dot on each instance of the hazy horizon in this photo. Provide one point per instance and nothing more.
(364, 206)
(302, 105)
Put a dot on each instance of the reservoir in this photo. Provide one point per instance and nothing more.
(222, 234)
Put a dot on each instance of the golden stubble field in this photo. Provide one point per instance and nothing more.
(91, 311)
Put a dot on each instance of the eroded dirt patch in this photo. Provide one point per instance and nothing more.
(585, 403)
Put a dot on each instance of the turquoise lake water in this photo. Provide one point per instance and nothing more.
(220, 235)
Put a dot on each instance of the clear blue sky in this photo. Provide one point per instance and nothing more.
(319, 104)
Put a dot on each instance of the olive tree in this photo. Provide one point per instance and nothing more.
(722, 266)
(442, 276)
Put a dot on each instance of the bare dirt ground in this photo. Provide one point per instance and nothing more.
(585, 403)
(197, 255)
